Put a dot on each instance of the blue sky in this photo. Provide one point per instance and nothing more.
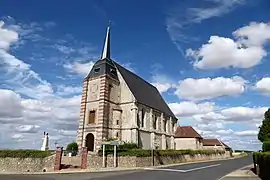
(208, 58)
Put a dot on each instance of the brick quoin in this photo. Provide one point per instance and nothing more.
(58, 158)
(84, 158)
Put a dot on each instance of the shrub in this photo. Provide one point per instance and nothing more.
(24, 153)
(125, 146)
(147, 153)
(263, 160)
(266, 146)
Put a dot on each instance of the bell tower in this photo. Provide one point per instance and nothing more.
(99, 87)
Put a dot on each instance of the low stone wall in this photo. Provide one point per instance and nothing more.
(27, 164)
(95, 161)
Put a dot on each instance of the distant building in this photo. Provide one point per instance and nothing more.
(215, 144)
(186, 137)
(117, 103)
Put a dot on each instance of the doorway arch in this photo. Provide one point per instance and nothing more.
(89, 142)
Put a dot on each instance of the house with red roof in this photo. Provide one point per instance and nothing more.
(215, 144)
(186, 137)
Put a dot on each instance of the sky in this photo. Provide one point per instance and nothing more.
(208, 58)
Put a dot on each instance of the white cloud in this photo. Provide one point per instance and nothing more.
(233, 54)
(221, 7)
(162, 82)
(190, 108)
(79, 68)
(234, 114)
(10, 104)
(207, 88)
(246, 133)
(255, 34)
(7, 37)
(27, 128)
(263, 86)
(244, 52)
(243, 113)
(177, 23)
(31, 105)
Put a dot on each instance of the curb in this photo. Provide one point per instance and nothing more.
(111, 169)
(232, 174)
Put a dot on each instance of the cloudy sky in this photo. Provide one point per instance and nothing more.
(208, 58)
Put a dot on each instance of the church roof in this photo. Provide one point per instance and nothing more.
(144, 92)
(211, 142)
(186, 132)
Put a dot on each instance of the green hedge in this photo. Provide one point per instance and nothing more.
(263, 160)
(22, 153)
(126, 146)
(266, 146)
(147, 153)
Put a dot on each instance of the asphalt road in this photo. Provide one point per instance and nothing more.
(197, 171)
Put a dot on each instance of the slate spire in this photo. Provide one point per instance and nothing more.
(106, 48)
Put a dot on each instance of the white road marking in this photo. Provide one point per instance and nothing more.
(182, 171)
(204, 167)
(157, 169)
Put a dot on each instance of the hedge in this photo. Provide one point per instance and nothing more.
(23, 153)
(266, 146)
(147, 153)
(263, 161)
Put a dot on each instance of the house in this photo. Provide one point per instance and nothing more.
(117, 103)
(215, 144)
(186, 137)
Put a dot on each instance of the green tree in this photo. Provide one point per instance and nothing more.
(72, 147)
(264, 132)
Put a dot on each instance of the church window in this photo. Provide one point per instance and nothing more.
(165, 123)
(92, 116)
(117, 122)
(138, 120)
(96, 70)
(143, 118)
(155, 122)
(117, 135)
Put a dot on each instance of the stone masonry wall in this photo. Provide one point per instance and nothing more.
(27, 164)
(95, 161)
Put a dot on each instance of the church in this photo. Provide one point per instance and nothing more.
(116, 103)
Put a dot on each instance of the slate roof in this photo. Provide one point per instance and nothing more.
(186, 132)
(144, 92)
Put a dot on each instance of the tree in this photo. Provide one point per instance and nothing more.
(72, 147)
(264, 132)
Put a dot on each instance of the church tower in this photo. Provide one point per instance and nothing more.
(99, 96)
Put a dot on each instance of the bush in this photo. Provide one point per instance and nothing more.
(22, 153)
(263, 160)
(266, 146)
(125, 146)
(147, 153)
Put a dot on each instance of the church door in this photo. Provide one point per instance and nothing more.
(90, 142)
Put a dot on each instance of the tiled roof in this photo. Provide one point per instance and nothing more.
(186, 132)
(211, 142)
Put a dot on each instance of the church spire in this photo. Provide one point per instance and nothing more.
(106, 48)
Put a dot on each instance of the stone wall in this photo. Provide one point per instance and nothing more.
(27, 164)
(95, 161)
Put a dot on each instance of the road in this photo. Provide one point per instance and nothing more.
(196, 171)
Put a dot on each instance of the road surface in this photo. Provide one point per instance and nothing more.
(197, 171)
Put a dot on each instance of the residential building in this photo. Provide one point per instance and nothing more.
(186, 137)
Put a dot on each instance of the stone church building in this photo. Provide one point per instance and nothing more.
(116, 103)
